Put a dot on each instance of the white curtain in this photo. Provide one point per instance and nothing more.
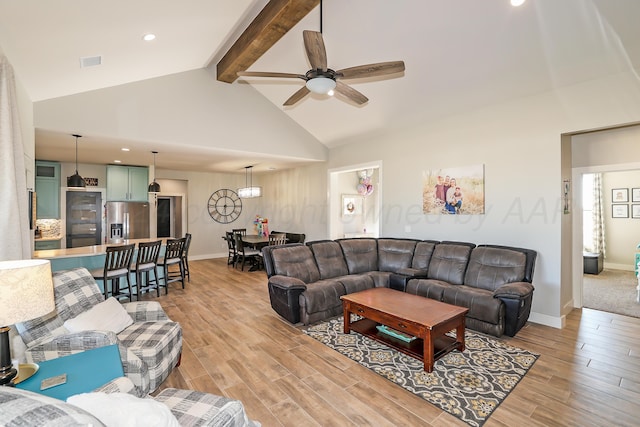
(598, 215)
(15, 237)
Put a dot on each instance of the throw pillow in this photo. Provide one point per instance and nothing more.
(122, 409)
(108, 315)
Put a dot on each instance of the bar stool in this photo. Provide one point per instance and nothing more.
(172, 257)
(117, 264)
(185, 255)
(147, 262)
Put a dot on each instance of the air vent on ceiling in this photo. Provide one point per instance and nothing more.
(90, 61)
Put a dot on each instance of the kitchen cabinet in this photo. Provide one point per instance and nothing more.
(127, 184)
(41, 245)
(47, 190)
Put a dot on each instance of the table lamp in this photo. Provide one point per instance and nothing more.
(26, 292)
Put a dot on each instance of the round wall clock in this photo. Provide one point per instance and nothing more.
(224, 206)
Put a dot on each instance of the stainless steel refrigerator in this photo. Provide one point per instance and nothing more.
(127, 220)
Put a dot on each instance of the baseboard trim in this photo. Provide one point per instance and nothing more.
(545, 319)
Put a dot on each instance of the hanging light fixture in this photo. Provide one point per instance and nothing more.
(154, 187)
(249, 191)
(75, 180)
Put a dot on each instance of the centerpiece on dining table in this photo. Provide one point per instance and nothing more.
(262, 226)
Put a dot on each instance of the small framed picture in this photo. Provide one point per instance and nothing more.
(635, 211)
(351, 204)
(635, 195)
(620, 211)
(619, 195)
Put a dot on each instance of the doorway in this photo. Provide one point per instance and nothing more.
(169, 216)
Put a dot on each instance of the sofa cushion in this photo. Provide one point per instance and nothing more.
(356, 282)
(394, 254)
(489, 268)
(109, 315)
(75, 292)
(480, 302)
(322, 295)
(295, 261)
(449, 263)
(428, 288)
(122, 409)
(361, 254)
(329, 258)
(422, 254)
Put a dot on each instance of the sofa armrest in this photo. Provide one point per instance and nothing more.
(145, 311)
(516, 290)
(64, 345)
(284, 294)
(400, 279)
(286, 282)
(517, 298)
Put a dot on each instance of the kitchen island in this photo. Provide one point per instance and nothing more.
(90, 257)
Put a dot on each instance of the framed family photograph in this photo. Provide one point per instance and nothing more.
(620, 195)
(635, 195)
(620, 211)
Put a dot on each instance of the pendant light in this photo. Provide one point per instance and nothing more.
(75, 180)
(249, 191)
(154, 187)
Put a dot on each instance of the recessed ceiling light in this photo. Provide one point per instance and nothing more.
(517, 2)
(117, 161)
(148, 37)
(125, 149)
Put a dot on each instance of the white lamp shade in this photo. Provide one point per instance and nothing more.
(249, 192)
(26, 290)
(321, 85)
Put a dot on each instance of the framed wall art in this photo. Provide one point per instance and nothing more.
(351, 204)
(620, 211)
(620, 195)
(635, 195)
(635, 211)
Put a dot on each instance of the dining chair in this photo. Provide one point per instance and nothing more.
(274, 239)
(172, 258)
(244, 253)
(185, 255)
(147, 262)
(231, 246)
(242, 231)
(117, 265)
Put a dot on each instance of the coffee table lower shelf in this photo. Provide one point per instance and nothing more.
(415, 348)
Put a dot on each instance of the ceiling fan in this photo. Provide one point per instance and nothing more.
(323, 80)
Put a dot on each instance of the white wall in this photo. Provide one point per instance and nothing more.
(520, 145)
(622, 235)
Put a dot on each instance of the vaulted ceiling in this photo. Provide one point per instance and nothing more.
(460, 54)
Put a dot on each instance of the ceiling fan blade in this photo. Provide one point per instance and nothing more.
(371, 70)
(270, 74)
(317, 54)
(350, 93)
(297, 96)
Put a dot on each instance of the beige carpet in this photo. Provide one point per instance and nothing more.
(613, 291)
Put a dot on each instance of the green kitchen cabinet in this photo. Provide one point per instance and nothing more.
(127, 184)
(47, 190)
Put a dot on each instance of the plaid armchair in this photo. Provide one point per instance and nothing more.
(149, 348)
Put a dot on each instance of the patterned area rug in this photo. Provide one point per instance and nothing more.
(468, 385)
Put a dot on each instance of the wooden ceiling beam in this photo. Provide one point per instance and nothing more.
(273, 22)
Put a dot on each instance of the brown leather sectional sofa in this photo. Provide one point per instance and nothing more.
(494, 282)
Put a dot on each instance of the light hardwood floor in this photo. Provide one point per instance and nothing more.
(235, 345)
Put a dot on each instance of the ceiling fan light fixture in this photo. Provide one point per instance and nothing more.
(321, 85)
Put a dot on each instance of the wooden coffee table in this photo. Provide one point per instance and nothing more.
(426, 319)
